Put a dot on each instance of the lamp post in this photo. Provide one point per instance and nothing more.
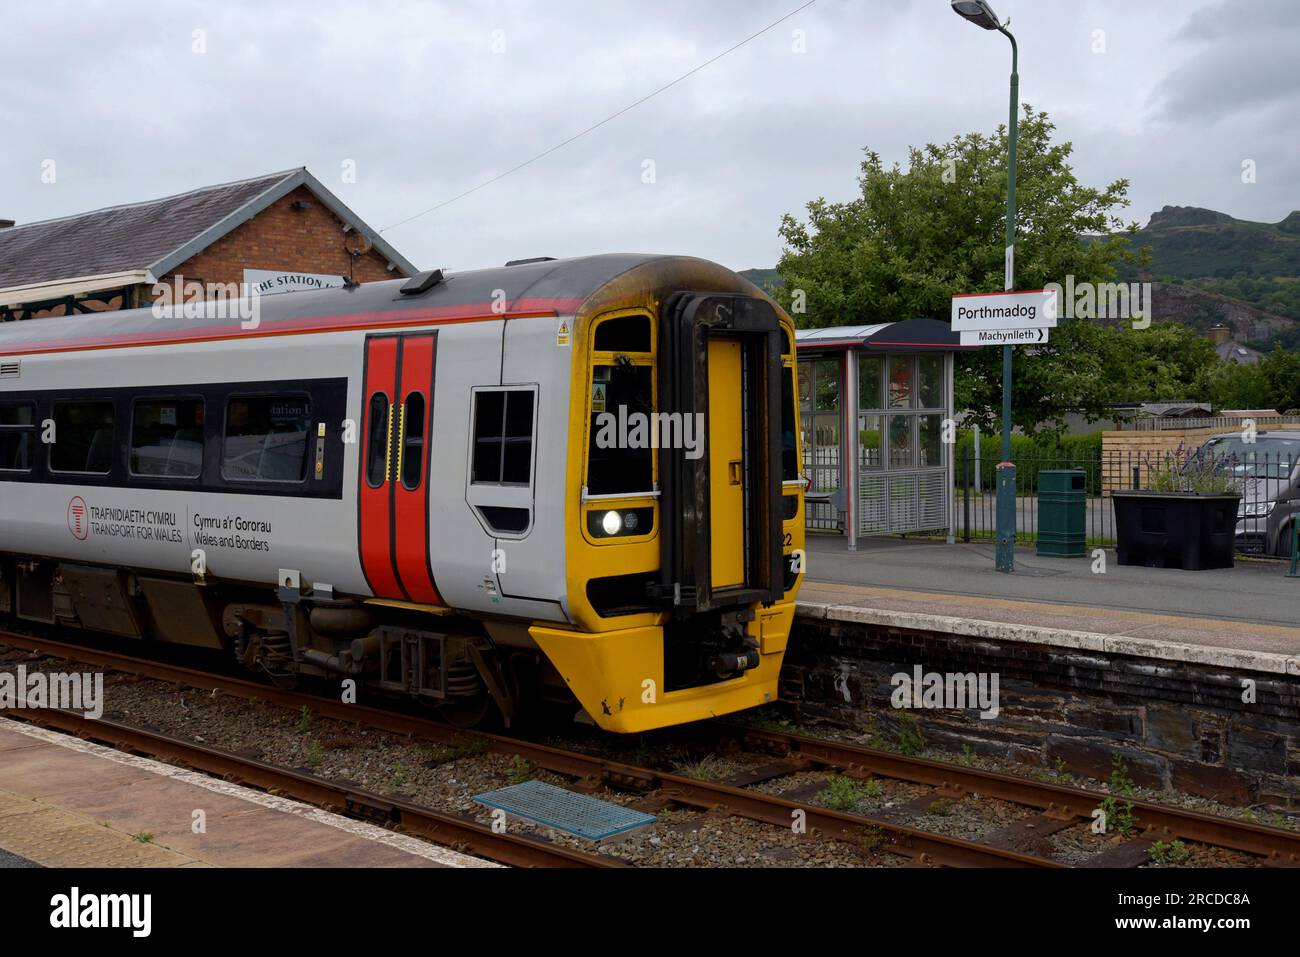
(981, 14)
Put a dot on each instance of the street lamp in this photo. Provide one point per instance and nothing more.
(981, 14)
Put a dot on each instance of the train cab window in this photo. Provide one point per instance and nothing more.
(622, 397)
(83, 438)
(413, 441)
(789, 439)
(377, 441)
(17, 436)
(623, 334)
(266, 438)
(167, 438)
(503, 437)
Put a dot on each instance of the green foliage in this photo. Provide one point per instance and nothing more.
(1235, 257)
(841, 795)
(1032, 454)
(1231, 386)
(521, 769)
(707, 768)
(941, 807)
(1276, 294)
(1119, 817)
(1272, 383)
(916, 236)
(304, 720)
(1281, 370)
(1184, 473)
(1120, 782)
(908, 735)
(1169, 853)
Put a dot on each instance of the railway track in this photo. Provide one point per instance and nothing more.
(1058, 807)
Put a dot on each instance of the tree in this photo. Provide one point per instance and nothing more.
(917, 236)
(1281, 370)
(1231, 386)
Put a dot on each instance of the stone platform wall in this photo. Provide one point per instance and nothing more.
(1175, 724)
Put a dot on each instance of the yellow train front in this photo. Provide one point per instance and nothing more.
(684, 519)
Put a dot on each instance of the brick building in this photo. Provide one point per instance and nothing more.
(276, 233)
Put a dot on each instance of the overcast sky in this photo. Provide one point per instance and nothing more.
(430, 99)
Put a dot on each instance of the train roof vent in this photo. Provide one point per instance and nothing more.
(535, 259)
(422, 282)
(11, 370)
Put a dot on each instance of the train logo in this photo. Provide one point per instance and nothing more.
(78, 520)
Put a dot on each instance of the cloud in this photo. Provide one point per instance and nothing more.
(429, 99)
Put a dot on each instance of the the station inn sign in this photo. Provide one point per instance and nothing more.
(269, 282)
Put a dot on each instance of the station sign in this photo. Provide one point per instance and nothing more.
(997, 311)
(1003, 337)
(269, 282)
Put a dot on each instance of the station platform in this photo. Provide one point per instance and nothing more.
(69, 803)
(1247, 617)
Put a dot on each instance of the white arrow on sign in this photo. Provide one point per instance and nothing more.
(1003, 337)
(1036, 309)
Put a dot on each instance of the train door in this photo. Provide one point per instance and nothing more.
(393, 496)
(720, 362)
(725, 435)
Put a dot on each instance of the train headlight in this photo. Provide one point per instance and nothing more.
(621, 523)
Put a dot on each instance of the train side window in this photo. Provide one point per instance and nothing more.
(413, 441)
(83, 438)
(378, 442)
(503, 432)
(503, 437)
(266, 438)
(17, 436)
(167, 438)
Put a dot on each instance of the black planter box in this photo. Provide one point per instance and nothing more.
(1175, 529)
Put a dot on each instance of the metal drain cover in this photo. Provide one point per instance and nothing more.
(577, 814)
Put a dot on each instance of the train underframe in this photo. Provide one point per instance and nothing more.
(472, 672)
(448, 661)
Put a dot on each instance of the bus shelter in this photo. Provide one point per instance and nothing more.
(873, 403)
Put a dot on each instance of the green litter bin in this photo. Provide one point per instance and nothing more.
(1062, 512)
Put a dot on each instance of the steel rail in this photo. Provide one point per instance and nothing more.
(1276, 845)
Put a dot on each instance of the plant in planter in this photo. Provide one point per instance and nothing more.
(1185, 518)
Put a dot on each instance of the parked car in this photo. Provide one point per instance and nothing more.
(1267, 470)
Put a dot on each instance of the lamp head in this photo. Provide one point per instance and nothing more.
(977, 12)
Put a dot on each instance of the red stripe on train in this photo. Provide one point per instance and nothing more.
(393, 318)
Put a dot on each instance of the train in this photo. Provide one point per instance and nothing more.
(560, 482)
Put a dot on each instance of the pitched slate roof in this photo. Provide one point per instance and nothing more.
(156, 235)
